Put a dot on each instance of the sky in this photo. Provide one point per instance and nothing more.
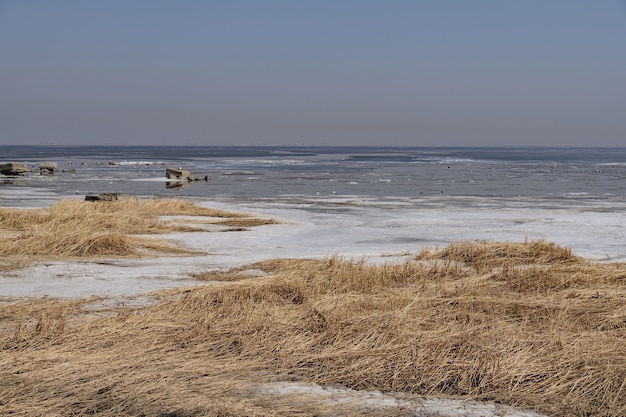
(313, 72)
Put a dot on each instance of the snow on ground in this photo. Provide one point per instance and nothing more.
(345, 401)
(378, 233)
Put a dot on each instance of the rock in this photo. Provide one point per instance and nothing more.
(178, 174)
(181, 176)
(47, 168)
(102, 197)
(12, 168)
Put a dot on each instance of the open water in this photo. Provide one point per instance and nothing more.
(363, 200)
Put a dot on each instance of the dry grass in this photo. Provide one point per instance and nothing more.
(74, 228)
(524, 324)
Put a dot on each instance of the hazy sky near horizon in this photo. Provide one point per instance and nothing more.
(313, 72)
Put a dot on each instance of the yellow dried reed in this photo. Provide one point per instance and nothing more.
(74, 228)
(436, 327)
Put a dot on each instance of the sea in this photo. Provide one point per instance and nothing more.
(360, 201)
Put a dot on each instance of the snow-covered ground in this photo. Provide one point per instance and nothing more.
(350, 402)
(380, 233)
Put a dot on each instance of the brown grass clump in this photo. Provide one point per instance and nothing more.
(251, 222)
(74, 228)
(540, 330)
(173, 206)
(485, 255)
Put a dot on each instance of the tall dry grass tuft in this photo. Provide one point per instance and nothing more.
(173, 206)
(487, 255)
(35, 323)
(73, 228)
(540, 330)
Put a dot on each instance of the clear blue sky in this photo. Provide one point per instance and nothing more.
(314, 72)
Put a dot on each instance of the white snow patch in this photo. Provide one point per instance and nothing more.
(344, 401)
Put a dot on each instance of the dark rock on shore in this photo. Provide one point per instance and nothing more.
(13, 168)
(180, 174)
(47, 168)
(102, 197)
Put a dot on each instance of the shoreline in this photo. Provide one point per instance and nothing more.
(463, 328)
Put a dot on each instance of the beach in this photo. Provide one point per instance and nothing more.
(237, 314)
(312, 209)
(133, 327)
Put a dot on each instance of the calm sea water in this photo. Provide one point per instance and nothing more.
(550, 175)
(363, 200)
